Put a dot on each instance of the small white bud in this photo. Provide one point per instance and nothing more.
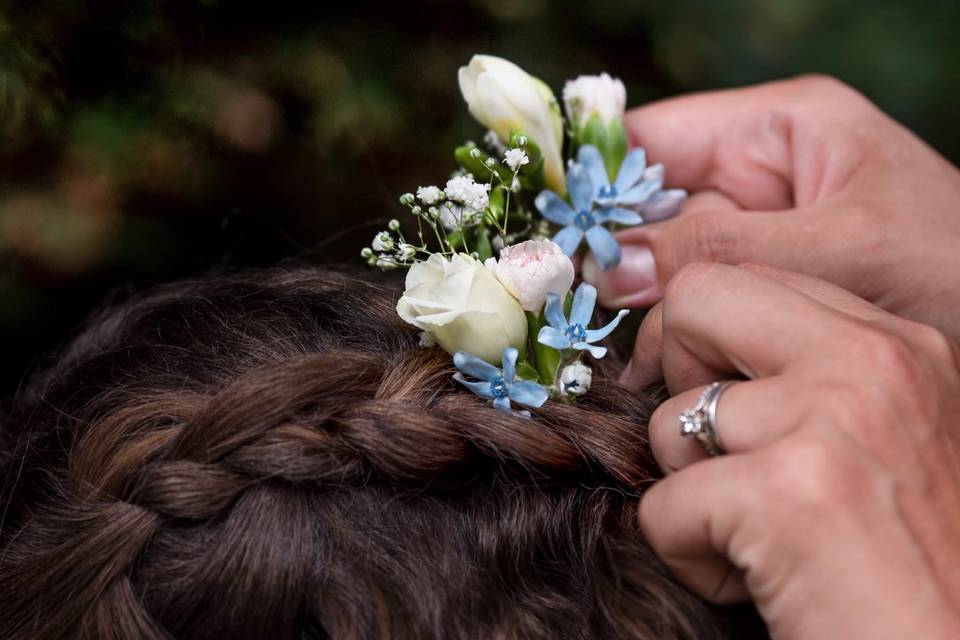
(383, 241)
(366, 253)
(387, 262)
(491, 163)
(475, 153)
(407, 199)
(521, 142)
(434, 212)
(406, 252)
(416, 210)
(575, 379)
(393, 225)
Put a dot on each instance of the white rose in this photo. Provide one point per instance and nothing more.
(575, 379)
(588, 95)
(532, 269)
(504, 97)
(463, 306)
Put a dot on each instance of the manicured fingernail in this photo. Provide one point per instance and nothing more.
(632, 284)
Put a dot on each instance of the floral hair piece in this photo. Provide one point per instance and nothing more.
(490, 269)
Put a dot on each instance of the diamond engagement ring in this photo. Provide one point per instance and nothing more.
(700, 420)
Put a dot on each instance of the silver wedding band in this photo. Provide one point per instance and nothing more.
(700, 420)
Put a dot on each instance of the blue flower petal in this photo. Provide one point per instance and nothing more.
(596, 352)
(553, 311)
(554, 208)
(475, 367)
(663, 204)
(604, 247)
(580, 187)
(593, 335)
(654, 172)
(553, 338)
(631, 170)
(584, 301)
(589, 156)
(569, 239)
(502, 403)
(528, 393)
(481, 389)
(640, 193)
(510, 364)
(618, 215)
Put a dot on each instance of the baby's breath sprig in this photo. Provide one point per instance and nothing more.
(471, 214)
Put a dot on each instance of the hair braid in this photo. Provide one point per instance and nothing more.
(285, 462)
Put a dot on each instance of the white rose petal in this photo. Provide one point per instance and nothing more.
(532, 269)
(463, 306)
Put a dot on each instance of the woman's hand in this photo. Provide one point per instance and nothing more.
(806, 175)
(837, 506)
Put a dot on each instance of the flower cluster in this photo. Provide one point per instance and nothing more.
(518, 185)
(509, 312)
(490, 269)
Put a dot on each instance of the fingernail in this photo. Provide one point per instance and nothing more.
(633, 283)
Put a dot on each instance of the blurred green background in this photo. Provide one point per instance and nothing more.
(142, 141)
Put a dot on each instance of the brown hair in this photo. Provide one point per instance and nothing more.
(271, 455)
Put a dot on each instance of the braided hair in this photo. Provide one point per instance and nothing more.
(271, 455)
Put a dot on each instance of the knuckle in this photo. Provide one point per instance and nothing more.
(889, 357)
(937, 345)
(821, 84)
(708, 237)
(690, 279)
(807, 472)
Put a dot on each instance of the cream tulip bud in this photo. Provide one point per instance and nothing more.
(463, 306)
(506, 99)
(532, 269)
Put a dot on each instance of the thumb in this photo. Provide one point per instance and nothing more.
(805, 240)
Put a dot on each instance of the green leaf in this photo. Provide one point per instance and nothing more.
(616, 149)
(455, 239)
(610, 140)
(527, 372)
(531, 174)
(547, 358)
(482, 244)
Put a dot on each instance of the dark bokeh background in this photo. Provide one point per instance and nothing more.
(143, 140)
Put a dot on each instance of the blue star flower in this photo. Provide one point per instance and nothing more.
(634, 185)
(500, 386)
(561, 334)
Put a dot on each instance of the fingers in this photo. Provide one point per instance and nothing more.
(746, 142)
(689, 519)
(718, 320)
(634, 283)
(822, 241)
(749, 415)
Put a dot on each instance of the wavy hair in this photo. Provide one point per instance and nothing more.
(271, 455)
